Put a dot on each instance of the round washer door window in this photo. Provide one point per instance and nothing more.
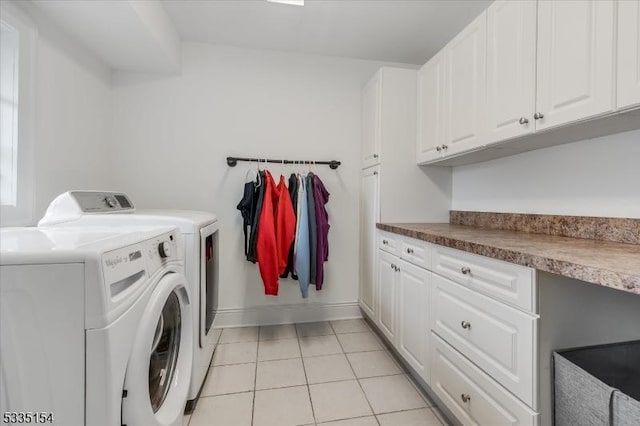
(164, 352)
(159, 368)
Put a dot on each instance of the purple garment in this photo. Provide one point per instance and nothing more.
(320, 198)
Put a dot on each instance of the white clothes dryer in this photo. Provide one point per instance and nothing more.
(201, 253)
(95, 324)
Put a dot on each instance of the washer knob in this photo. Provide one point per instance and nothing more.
(110, 202)
(164, 249)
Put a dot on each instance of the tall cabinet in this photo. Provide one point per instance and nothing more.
(393, 188)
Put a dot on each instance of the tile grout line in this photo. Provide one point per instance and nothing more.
(306, 379)
(255, 380)
(373, 413)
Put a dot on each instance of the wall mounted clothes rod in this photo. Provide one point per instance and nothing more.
(233, 161)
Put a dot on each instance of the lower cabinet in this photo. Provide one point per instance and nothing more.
(471, 395)
(413, 317)
(387, 295)
(403, 309)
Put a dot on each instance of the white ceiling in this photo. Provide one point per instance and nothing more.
(388, 30)
(145, 35)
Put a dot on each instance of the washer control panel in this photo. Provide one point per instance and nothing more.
(126, 266)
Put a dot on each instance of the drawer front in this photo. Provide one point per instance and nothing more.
(472, 396)
(496, 337)
(389, 242)
(512, 284)
(416, 252)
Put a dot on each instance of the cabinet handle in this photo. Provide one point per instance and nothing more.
(438, 148)
(466, 325)
(385, 242)
(465, 397)
(375, 155)
(393, 266)
(445, 147)
(375, 173)
(397, 269)
(523, 120)
(465, 270)
(538, 115)
(410, 250)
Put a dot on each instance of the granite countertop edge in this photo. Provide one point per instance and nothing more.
(607, 277)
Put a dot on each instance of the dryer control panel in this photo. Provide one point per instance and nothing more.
(102, 202)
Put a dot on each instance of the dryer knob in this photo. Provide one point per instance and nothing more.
(164, 249)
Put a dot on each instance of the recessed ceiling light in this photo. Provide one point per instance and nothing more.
(292, 2)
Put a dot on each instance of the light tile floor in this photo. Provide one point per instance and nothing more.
(326, 373)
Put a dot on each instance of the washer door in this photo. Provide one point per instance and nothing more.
(159, 369)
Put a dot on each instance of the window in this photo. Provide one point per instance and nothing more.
(8, 113)
(17, 41)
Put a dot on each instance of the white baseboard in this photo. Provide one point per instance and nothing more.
(286, 314)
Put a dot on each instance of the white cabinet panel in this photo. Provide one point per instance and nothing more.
(510, 283)
(369, 215)
(387, 282)
(417, 252)
(497, 338)
(472, 396)
(431, 109)
(413, 324)
(628, 53)
(389, 242)
(466, 88)
(372, 121)
(511, 69)
(575, 61)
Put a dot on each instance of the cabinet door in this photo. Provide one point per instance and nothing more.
(575, 61)
(369, 215)
(466, 88)
(413, 319)
(431, 109)
(387, 265)
(372, 121)
(628, 53)
(511, 69)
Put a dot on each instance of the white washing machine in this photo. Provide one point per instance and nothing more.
(96, 326)
(200, 234)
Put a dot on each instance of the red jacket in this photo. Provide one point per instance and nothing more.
(276, 231)
(267, 250)
(285, 225)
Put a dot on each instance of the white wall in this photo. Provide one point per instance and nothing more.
(72, 117)
(598, 177)
(172, 134)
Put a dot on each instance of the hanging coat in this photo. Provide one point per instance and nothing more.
(258, 198)
(285, 225)
(246, 207)
(321, 198)
(313, 241)
(302, 263)
(293, 194)
(267, 249)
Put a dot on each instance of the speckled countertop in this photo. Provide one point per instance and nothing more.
(610, 264)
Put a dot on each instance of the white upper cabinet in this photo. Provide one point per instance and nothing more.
(372, 122)
(575, 61)
(511, 69)
(466, 88)
(431, 108)
(628, 53)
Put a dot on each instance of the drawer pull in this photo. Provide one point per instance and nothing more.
(410, 250)
(466, 325)
(465, 397)
(393, 266)
(385, 242)
(465, 270)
